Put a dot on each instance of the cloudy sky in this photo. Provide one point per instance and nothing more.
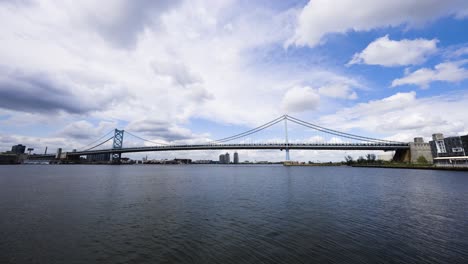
(190, 71)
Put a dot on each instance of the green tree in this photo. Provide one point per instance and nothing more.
(361, 160)
(371, 158)
(422, 160)
(349, 160)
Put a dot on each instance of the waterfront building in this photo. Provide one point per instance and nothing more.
(227, 158)
(447, 146)
(449, 151)
(183, 161)
(464, 140)
(98, 157)
(18, 149)
(222, 159)
(459, 162)
(236, 158)
(58, 155)
(385, 157)
(203, 162)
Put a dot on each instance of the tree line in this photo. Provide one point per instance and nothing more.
(369, 158)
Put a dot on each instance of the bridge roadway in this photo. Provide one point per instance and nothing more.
(279, 146)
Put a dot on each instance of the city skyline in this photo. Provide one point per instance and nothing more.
(186, 72)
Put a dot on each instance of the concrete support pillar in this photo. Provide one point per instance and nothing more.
(402, 155)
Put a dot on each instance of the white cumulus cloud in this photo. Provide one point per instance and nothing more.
(321, 17)
(300, 99)
(447, 71)
(386, 52)
(338, 90)
(403, 116)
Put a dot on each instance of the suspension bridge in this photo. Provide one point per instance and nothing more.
(354, 142)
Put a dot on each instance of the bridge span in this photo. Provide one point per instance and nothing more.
(277, 146)
(358, 142)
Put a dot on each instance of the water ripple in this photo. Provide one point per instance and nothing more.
(215, 214)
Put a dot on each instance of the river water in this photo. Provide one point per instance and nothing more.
(231, 214)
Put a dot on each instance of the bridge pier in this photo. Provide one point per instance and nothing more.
(416, 150)
(402, 156)
(115, 158)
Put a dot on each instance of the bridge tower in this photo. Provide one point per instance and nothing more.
(117, 144)
(286, 134)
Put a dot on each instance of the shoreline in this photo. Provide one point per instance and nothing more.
(412, 167)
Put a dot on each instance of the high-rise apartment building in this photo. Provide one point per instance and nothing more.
(236, 158)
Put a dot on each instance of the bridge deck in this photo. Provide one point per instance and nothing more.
(328, 146)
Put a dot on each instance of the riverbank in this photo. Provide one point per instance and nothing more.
(410, 166)
(313, 164)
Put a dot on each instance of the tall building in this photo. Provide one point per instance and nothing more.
(236, 158)
(222, 159)
(58, 155)
(18, 149)
(227, 159)
(447, 146)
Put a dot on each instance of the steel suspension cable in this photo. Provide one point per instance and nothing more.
(147, 140)
(333, 133)
(339, 133)
(99, 144)
(251, 131)
(326, 130)
(97, 140)
(244, 134)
